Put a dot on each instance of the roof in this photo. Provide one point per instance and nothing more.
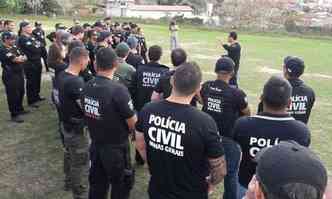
(161, 8)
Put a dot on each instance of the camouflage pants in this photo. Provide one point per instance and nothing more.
(77, 161)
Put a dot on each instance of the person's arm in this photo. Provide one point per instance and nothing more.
(242, 103)
(140, 144)
(218, 170)
(214, 152)
(139, 135)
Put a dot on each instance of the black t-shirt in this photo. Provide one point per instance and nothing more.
(107, 106)
(234, 52)
(134, 60)
(224, 104)
(91, 48)
(164, 86)
(265, 130)
(303, 99)
(145, 80)
(7, 56)
(179, 140)
(70, 91)
(40, 36)
(31, 47)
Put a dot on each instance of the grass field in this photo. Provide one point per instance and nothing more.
(31, 153)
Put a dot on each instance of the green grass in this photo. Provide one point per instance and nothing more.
(31, 160)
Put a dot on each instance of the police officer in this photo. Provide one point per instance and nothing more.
(233, 49)
(32, 48)
(267, 128)
(181, 144)
(70, 86)
(125, 72)
(90, 45)
(12, 59)
(163, 88)
(226, 104)
(110, 116)
(303, 97)
(134, 58)
(39, 34)
(145, 80)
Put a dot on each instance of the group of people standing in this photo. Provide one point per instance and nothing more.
(107, 95)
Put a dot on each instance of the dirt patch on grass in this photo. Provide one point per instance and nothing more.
(272, 71)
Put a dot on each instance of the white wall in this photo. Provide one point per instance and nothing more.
(156, 14)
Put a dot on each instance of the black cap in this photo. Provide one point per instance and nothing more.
(24, 24)
(294, 66)
(8, 35)
(105, 58)
(225, 64)
(288, 163)
(103, 35)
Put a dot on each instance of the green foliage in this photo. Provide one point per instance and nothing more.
(51, 6)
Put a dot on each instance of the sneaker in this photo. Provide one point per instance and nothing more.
(17, 119)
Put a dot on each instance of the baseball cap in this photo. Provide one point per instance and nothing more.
(224, 64)
(105, 58)
(132, 42)
(103, 35)
(287, 163)
(8, 35)
(122, 49)
(294, 66)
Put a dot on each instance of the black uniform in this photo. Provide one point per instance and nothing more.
(107, 106)
(31, 47)
(224, 104)
(13, 79)
(234, 52)
(134, 60)
(303, 99)
(164, 86)
(179, 140)
(146, 78)
(91, 48)
(39, 34)
(75, 136)
(265, 130)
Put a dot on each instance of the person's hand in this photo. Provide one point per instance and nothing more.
(250, 194)
(211, 187)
